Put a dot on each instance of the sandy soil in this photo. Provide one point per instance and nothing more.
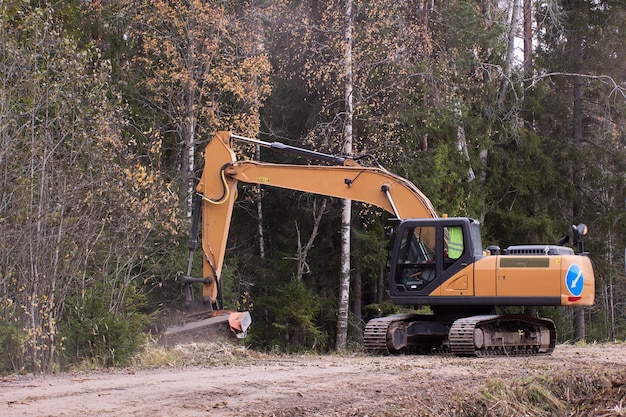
(252, 384)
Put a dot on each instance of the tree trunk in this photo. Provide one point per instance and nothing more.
(380, 287)
(303, 252)
(344, 287)
(510, 51)
(357, 291)
(190, 143)
(346, 215)
(528, 40)
(528, 115)
(610, 303)
(259, 209)
(189, 125)
(577, 136)
(462, 144)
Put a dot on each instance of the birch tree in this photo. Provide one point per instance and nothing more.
(346, 213)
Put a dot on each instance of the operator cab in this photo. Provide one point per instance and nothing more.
(426, 252)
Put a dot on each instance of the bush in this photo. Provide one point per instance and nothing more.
(290, 316)
(97, 335)
(12, 340)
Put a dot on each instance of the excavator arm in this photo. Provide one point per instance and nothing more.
(350, 180)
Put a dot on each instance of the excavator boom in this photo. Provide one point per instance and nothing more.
(222, 171)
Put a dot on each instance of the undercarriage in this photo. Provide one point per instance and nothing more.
(478, 335)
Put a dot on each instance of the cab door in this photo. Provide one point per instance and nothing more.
(457, 272)
(429, 253)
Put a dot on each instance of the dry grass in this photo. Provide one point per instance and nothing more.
(601, 393)
(193, 354)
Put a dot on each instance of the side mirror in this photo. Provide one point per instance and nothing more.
(581, 229)
(391, 228)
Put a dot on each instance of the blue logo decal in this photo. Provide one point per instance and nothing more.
(574, 280)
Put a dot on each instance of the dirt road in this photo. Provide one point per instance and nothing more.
(251, 384)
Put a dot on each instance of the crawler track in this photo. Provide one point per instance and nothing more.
(502, 335)
(375, 334)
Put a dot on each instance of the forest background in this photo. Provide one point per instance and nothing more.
(511, 112)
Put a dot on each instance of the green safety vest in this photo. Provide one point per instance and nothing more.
(455, 244)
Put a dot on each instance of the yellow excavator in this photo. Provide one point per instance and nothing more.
(435, 261)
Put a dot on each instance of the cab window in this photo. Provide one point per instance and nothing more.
(453, 245)
(416, 261)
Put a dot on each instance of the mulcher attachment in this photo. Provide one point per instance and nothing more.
(207, 327)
